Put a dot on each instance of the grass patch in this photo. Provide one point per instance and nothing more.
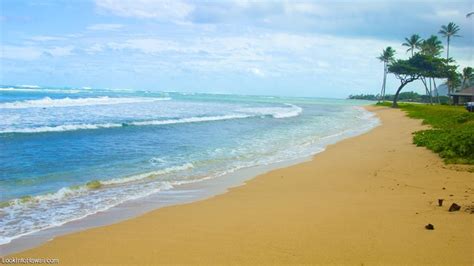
(452, 133)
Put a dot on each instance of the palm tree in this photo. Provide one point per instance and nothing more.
(469, 14)
(467, 76)
(413, 43)
(386, 57)
(454, 81)
(431, 46)
(449, 31)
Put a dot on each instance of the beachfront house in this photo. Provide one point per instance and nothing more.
(463, 96)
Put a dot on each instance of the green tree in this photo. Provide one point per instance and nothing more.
(431, 69)
(416, 67)
(431, 46)
(414, 42)
(467, 77)
(448, 31)
(406, 71)
(454, 80)
(386, 57)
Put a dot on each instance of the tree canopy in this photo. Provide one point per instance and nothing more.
(387, 55)
(431, 46)
(419, 65)
(414, 42)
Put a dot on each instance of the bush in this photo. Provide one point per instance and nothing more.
(452, 135)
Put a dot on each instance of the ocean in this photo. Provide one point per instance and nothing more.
(68, 153)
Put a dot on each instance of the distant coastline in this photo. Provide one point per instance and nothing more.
(408, 96)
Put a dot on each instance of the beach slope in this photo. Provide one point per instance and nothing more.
(365, 200)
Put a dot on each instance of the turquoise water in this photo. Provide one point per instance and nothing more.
(67, 153)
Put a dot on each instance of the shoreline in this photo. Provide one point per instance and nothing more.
(180, 194)
(371, 209)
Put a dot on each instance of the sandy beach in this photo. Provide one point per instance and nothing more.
(365, 200)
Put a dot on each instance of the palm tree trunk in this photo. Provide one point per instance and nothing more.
(426, 89)
(437, 92)
(447, 51)
(431, 93)
(384, 82)
(382, 91)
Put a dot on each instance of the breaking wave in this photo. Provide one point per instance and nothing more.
(69, 102)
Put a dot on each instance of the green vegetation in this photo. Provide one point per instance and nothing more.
(452, 133)
(408, 96)
(419, 66)
(449, 31)
(425, 64)
(386, 57)
(95, 184)
(414, 42)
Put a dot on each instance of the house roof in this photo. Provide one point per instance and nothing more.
(465, 92)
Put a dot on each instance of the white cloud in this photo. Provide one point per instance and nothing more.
(105, 27)
(147, 45)
(29, 53)
(45, 38)
(291, 7)
(257, 72)
(447, 13)
(270, 54)
(20, 52)
(95, 48)
(60, 51)
(174, 10)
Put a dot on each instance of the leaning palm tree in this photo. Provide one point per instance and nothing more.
(449, 31)
(386, 57)
(413, 43)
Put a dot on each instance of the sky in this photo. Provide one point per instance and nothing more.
(288, 48)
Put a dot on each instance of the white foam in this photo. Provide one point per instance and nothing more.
(276, 112)
(30, 86)
(30, 215)
(34, 89)
(60, 128)
(188, 120)
(69, 102)
(73, 127)
(10, 231)
(152, 174)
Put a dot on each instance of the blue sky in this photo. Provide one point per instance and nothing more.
(293, 48)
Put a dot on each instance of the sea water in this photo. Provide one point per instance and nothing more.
(67, 153)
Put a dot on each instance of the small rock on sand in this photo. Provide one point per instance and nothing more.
(454, 207)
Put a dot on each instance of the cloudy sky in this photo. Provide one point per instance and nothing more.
(295, 48)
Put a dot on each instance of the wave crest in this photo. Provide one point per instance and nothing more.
(276, 112)
(69, 102)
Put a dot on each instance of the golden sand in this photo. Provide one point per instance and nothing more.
(365, 200)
